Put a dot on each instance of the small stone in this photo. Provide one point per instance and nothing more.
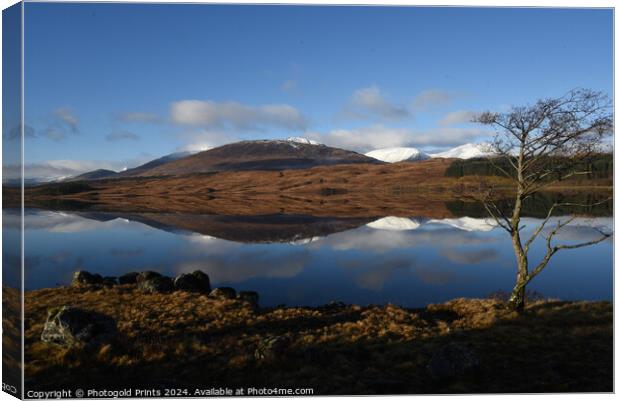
(69, 326)
(223, 293)
(85, 278)
(156, 285)
(128, 278)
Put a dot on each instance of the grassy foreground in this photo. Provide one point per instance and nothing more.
(187, 340)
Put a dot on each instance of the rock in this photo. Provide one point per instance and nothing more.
(129, 278)
(85, 278)
(109, 281)
(451, 361)
(272, 347)
(250, 297)
(156, 284)
(147, 275)
(193, 282)
(69, 326)
(223, 293)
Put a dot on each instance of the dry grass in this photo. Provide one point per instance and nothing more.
(11, 336)
(188, 340)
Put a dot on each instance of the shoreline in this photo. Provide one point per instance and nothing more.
(463, 345)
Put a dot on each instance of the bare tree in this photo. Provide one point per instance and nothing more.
(536, 146)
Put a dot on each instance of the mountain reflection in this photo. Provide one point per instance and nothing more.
(291, 229)
(244, 229)
(307, 260)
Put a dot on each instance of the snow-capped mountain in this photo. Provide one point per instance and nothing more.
(394, 155)
(467, 151)
(301, 139)
(399, 154)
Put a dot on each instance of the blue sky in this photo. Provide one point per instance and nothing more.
(114, 85)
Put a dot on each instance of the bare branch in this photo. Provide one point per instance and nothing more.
(537, 146)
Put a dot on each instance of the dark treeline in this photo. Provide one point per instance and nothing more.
(594, 205)
(598, 167)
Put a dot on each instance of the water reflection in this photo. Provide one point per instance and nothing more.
(308, 261)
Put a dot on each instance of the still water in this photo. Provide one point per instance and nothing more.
(302, 260)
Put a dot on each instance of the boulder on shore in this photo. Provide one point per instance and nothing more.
(128, 278)
(223, 293)
(83, 277)
(156, 284)
(196, 281)
(147, 275)
(109, 281)
(69, 326)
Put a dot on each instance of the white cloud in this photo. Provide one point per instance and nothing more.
(195, 147)
(62, 122)
(289, 85)
(381, 241)
(245, 264)
(66, 116)
(457, 117)
(55, 169)
(138, 116)
(204, 139)
(61, 222)
(236, 116)
(432, 99)
(469, 257)
(370, 103)
(379, 136)
(121, 136)
(374, 276)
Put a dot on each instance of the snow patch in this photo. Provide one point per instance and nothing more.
(305, 241)
(300, 139)
(469, 223)
(394, 155)
(393, 223)
(467, 151)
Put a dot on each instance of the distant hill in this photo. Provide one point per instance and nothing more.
(293, 153)
(101, 174)
(93, 175)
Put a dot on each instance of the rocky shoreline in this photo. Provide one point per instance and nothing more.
(132, 335)
(154, 282)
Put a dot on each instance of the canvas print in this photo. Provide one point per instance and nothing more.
(264, 200)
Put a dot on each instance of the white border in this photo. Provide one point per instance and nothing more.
(479, 3)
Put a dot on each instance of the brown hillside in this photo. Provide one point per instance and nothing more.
(263, 155)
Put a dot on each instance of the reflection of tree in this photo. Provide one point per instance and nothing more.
(537, 146)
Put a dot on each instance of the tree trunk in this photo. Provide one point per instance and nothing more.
(517, 297)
